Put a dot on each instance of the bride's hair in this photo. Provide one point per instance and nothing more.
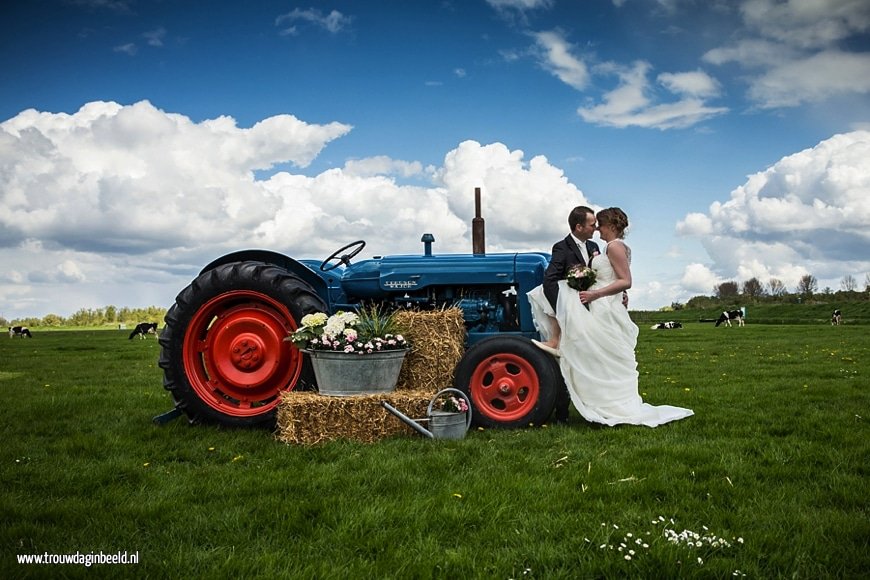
(615, 217)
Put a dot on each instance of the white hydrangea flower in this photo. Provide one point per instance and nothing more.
(348, 318)
(314, 320)
(334, 326)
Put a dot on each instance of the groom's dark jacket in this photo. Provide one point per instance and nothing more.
(565, 254)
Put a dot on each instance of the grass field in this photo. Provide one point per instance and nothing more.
(769, 479)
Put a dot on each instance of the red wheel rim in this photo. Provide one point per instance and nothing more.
(235, 356)
(505, 387)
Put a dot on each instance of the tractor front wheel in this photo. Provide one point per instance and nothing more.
(223, 353)
(510, 382)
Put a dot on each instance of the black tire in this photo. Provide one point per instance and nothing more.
(223, 353)
(509, 381)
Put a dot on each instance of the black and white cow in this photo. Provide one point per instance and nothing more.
(666, 325)
(143, 329)
(836, 318)
(730, 315)
(21, 331)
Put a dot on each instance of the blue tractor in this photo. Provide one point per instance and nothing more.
(225, 360)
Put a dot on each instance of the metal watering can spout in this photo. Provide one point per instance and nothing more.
(443, 425)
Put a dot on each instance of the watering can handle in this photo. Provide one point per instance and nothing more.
(458, 392)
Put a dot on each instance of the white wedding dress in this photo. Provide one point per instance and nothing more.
(598, 360)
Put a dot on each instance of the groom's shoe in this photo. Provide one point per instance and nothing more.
(546, 348)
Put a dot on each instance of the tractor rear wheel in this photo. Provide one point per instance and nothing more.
(510, 382)
(223, 353)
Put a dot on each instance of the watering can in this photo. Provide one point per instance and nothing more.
(442, 424)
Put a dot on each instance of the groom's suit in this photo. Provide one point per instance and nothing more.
(566, 253)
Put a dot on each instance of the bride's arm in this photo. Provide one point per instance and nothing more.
(618, 254)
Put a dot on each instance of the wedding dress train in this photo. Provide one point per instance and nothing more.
(597, 354)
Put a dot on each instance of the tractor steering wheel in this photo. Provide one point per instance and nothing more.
(342, 258)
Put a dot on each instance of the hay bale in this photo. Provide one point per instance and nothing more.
(437, 344)
(437, 340)
(308, 418)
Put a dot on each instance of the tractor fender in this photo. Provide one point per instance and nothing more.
(316, 281)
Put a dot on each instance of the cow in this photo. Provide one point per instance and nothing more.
(836, 318)
(20, 331)
(666, 325)
(143, 329)
(730, 315)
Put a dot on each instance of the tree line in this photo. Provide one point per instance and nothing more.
(755, 291)
(95, 317)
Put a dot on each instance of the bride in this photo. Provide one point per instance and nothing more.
(596, 349)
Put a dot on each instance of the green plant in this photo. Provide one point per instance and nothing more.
(375, 321)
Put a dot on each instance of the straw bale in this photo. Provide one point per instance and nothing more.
(437, 340)
(309, 418)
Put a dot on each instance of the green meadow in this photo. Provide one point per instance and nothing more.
(769, 479)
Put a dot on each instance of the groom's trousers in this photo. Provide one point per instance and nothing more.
(563, 401)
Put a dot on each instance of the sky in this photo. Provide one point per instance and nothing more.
(141, 139)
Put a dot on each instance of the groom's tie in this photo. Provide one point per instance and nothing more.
(585, 253)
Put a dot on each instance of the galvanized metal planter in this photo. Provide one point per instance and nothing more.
(342, 374)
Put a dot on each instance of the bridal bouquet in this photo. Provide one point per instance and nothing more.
(581, 277)
(363, 333)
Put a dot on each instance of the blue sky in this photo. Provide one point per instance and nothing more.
(141, 139)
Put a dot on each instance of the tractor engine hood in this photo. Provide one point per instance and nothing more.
(399, 274)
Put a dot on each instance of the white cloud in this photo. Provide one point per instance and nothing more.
(799, 51)
(813, 79)
(808, 213)
(699, 279)
(128, 48)
(752, 53)
(694, 84)
(557, 58)
(520, 5)
(807, 24)
(121, 6)
(382, 165)
(155, 37)
(630, 105)
(695, 224)
(69, 271)
(333, 22)
(132, 178)
(123, 205)
(527, 204)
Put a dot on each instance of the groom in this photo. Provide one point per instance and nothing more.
(576, 248)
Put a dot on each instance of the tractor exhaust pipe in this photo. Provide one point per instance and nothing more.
(478, 233)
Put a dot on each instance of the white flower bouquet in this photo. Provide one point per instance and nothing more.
(360, 333)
